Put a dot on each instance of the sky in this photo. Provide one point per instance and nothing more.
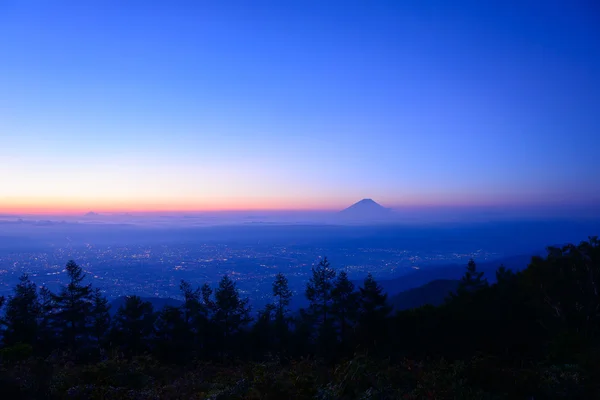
(228, 105)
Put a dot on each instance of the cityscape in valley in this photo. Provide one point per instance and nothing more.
(151, 262)
(156, 271)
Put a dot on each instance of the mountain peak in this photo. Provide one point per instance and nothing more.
(91, 214)
(367, 202)
(366, 209)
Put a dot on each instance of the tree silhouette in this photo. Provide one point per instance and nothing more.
(373, 313)
(22, 313)
(345, 307)
(319, 293)
(472, 280)
(282, 295)
(195, 317)
(46, 323)
(231, 313)
(100, 316)
(73, 307)
(133, 325)
(172, 335)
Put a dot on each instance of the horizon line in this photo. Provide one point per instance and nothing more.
(79, 211)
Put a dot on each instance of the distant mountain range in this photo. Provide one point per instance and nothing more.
(421, 277)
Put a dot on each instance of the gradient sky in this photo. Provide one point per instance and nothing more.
(139, 105)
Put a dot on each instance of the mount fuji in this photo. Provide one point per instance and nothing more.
(366, 210)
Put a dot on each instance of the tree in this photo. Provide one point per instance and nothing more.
(319, 294)
(504, 275)
(231, 313)
(46, 328)
(195, 316)
(373, 313)
(22, 313)
(100, 316)
(192, 304)
(282, 295)
(319, 290)
(172, 335)
(207, 301)
(472, 280)
(263, 331)
(74, 307)
(133, 325)
(345, 306)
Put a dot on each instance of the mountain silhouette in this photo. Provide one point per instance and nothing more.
(92, 214)
(364, 210)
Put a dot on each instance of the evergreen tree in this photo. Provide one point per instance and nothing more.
(373, 313)
(172, 335)
(195, 317)
(319, 290)
(2, 321)
(472, 280)
(133, 325)
(319, 293)
(345, 306)
(192, 303)
(47, 330)
(504, 275)
(263, 330)
(74, 307)
(231, 313)
(22, 313)
(100, 316)
(207, 301)
(282, 295)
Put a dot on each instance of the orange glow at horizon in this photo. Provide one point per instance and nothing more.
(55, 206)
(62, 206)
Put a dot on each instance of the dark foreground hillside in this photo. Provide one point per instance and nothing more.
(532, 334)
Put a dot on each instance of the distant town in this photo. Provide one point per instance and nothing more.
(156, 271)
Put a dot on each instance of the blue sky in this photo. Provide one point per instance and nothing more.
(297, 104)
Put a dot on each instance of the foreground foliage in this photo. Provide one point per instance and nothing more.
(358, 378)
(531, 334)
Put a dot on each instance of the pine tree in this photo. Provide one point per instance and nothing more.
(100, 316)
(319, 290)
(282, 295)
(22, 314)
(232, 313)
(195, 317)
(172, 335)
(2, 321)
(319, 293)
(133, 325)
(47, 330)
(74, 307)
(345, 306)
(472, 280)
(207, 301)
(263, 330)
(373, 313)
